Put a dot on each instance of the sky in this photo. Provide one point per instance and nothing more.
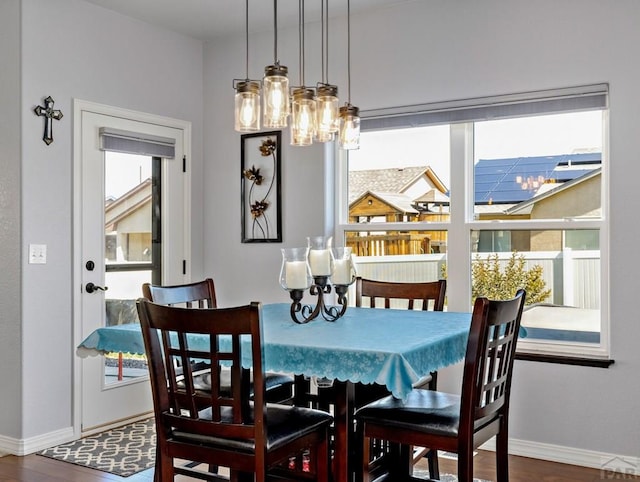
(427, 146)
(123, 172)
(498, 139)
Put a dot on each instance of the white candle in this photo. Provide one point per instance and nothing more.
(320, 262)
(341, 272)
(296, 275)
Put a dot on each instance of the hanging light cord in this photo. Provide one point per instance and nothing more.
(349, 51)
(301, 38)
(275, 32)
(246, 25)
(323, 41)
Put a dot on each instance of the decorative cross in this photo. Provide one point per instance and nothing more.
(49, 113)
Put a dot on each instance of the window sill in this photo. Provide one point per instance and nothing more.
(565, 360)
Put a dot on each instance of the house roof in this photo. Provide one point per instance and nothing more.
(517, 179)
(398, 201)
(120, 208)
(433, 196)
(394, 180)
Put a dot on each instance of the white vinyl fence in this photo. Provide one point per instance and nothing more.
(572, 276)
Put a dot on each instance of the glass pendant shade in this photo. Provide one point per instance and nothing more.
(328, 118)
(247, 106)
(303, 117)
(275, 86)
(349, 127)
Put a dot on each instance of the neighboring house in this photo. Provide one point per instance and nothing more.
(397, 195)
(502, 183)
(542, 187)
(128, 225)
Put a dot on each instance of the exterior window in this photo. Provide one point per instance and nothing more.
(492, 205)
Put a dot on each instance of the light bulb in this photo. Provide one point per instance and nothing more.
(246, 112)
(276, 96)
(247, 106)
(350, 128)
(303, 117)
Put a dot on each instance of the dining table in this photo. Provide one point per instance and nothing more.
(390, 347)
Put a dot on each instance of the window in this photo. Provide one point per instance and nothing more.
(496, 192)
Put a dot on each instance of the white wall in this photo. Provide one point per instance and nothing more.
(72, 49)
(10, 276)
(440, 50)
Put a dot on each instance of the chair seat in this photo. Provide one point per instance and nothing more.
(423, 411)
(202, 380)
(284, 424)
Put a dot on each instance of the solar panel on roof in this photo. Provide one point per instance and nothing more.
(517, 179)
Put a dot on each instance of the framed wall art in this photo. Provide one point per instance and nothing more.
(261, 209)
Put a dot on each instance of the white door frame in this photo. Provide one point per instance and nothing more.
(78, 107)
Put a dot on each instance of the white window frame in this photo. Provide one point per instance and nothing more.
(462, 223)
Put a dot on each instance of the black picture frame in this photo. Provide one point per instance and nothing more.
(261, 187)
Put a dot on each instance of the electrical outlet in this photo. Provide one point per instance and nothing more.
(37, 254)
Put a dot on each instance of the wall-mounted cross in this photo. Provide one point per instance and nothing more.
(49, 113)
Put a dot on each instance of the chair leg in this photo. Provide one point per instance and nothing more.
(434, 466)
(502, 455)
(363, 474)
(322, 460)
(163, 469)
(465, 465)
(402, 463)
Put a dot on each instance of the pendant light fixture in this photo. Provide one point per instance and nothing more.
(303, 105)
(327, 104)
(349, 114)
(275, 85)
(247, 101)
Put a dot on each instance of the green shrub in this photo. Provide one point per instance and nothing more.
(494, 282)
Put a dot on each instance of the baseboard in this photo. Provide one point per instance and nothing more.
(35, 444)
(608, 463)
(116, 424)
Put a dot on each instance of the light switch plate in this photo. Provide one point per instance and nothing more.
(37, 254)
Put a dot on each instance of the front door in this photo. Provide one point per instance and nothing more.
(129, 234)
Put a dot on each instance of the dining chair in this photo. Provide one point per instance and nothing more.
(455, 423)
(251, 437)
(404, 295)
(409, 295)
(202, 294)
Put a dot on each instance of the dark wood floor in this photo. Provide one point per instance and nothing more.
(34, 468)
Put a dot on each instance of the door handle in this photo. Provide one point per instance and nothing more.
(90, 288)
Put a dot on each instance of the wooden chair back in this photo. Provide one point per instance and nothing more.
(429, 294)
(488, 367)
(233, 335)
(201, 294)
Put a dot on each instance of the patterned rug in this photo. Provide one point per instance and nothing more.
(123, 451)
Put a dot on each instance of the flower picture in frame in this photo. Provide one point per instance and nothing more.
(261, 210)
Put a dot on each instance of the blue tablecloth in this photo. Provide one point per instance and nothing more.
(391, 347)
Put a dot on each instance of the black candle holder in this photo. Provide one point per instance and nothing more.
(305, 313)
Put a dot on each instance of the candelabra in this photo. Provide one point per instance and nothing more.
(317, 268)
